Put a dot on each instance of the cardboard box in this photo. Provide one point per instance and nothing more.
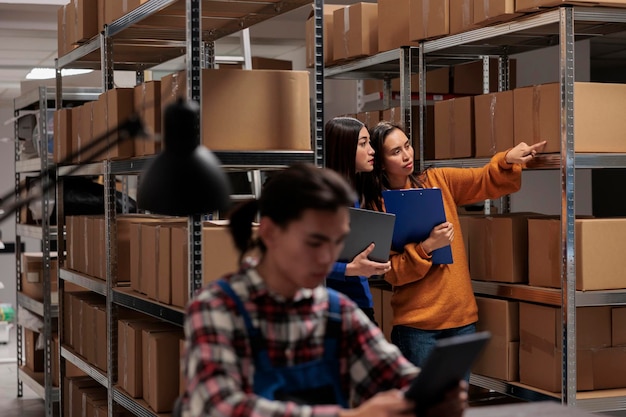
(271, 63)
(179, 266)
(62, 32)
(355, 31)
(493, 121)
(75, 385)
(119, 107)
(461, 16)
(147, 104)
(33, 357)
(62, 134)
(173, 86)
(85, 20)
(219, 254)
(149, 260)
(115, 9)
(85, 133)
(541, 348)
(437, 82)
(488, 12)
(77, 114)
(100, 320)
(500, 358)
(468, 78)
(598, 120)
(55, 359)
(499, 247)
(432, 17)
(618, 326)
(97, 247)
(32, 274)
(394, 24)
(454, 128)
(429, 131)
(130, 359)
(595, 243)
(533, 5)
(160, 373)
(88, 397)
(164, 267)
(328, 31)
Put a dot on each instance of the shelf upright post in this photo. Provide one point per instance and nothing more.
(45, 241)
(504, 85)
(421, 73)
(405, 89)
(485, 59)
(568, 249)
(194, 92)
(318, 142)
(18, 258)
(110, 232)
(387, 92)
(106, 58)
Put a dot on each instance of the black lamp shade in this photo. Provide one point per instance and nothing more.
(185, 178)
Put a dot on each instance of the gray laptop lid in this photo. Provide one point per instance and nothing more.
(368, 226)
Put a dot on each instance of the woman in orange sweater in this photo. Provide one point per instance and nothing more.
(431, 301)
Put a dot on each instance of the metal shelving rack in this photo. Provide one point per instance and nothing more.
(560, 26)
(138, 41)
(40, 101)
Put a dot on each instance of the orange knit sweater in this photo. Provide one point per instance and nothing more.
(435, 297)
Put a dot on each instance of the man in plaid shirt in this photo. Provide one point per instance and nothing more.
(272, 340)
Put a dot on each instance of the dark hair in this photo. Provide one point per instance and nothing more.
(341, 136)
(373, 191)
(285, 196)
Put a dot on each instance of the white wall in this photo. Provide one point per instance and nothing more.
(7, 173)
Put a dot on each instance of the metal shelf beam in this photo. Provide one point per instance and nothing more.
(90, 283)
(511, 388)
(35, 232)
(127, 298)
(520, 292)
(137, 407)
(35, 306)
(84, 366)
(35, 382)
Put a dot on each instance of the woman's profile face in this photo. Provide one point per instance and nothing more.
(397, 155)
(364, 161)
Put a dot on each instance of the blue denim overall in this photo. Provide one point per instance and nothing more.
(313, 383)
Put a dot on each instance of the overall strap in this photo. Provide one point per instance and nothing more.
(333, 325)
(253, 332)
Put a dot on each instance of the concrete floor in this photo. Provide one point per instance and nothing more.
(29, 405)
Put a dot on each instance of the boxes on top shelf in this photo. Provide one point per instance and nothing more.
(355, 31)
(263, 96)
(394, 24)
(599, 123)
(488, 12)
(461, 16)
(431, 19)
(533, 5)
(328, 31)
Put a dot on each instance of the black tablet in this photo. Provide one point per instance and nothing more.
(448, 363)
(367, 226)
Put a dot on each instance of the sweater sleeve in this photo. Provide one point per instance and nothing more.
(495, 179)
(408, 266)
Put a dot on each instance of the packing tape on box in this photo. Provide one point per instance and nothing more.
(125, 6)
(529, 342)
(492, 124)
(346, 29)
(76, 20)
(486, 9)
(63, 29)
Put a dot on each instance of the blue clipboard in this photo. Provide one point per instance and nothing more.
(417, 211)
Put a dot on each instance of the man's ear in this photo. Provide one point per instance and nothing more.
(267, 231)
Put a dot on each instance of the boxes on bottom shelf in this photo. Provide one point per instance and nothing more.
(160, 372)
(500, 358)
(34, 355)
(599, 365)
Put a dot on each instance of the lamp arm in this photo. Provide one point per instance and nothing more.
(131, 127)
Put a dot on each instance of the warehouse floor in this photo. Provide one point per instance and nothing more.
(30, 405)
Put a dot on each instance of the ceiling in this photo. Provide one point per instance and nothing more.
(28, 38)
